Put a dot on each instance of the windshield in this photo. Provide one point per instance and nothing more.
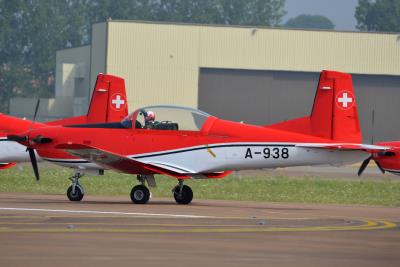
(166, 118)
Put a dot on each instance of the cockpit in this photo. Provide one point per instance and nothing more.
(166, 118)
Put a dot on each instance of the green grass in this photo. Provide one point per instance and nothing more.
(257, 188)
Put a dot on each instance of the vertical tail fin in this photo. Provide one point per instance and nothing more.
(109, 102)
(334, 114)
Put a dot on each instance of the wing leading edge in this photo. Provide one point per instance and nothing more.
(338, 146)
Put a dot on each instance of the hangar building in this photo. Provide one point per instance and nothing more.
(251, 74)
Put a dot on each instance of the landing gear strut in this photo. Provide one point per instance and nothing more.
(140, 194)
(183, 194)
(75, 192)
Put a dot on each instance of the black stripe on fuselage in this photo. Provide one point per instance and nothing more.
(108, 125)
(211, 146)
(66, 161)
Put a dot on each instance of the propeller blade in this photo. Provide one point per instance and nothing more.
(35, 114)
(32, 156)
(379, 166)
(364, 165)
(36, 109)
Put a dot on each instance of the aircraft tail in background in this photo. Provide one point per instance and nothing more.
(334, 114)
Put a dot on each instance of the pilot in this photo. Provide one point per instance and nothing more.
(149, 119)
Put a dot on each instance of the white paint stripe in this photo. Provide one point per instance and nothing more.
(361, 146)
(110, 212)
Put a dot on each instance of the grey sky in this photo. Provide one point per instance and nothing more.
(340, 12)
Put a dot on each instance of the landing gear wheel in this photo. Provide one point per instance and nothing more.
(140, 194)
(185, 197)
(75, 196)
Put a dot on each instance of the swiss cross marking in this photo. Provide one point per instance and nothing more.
(345, 100)
(118, 102)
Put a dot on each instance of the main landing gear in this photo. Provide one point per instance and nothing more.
(140, 194)
(183, 194)
(75, 192)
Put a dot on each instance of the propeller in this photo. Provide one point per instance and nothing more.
(31, 151)
(35, 114)
(23, 138)
(38, 140)
(365, 164)
(32, 156)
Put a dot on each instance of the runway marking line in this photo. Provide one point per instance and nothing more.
(111, 213)
(368, 224)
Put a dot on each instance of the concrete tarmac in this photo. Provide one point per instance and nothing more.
(49, 230)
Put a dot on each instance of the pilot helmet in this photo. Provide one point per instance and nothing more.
(150, 116)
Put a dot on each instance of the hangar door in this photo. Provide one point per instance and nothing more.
(265, 97)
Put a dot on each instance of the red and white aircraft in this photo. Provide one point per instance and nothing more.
(187, 143)
(108, 104)
(387, 161)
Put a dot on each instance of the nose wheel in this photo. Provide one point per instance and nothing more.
(75, 195)
(75, 192)
(183, 194)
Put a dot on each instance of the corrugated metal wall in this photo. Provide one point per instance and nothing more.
(299, 50)
(98, 54)
(157, 61)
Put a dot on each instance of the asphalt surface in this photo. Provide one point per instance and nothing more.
(48, 230)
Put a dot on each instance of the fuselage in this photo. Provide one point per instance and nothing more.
(219, 146)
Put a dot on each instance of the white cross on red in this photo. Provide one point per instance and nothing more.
(118, 102)
(345, 100)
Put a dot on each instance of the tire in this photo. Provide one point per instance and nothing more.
(186, 196)
(78, 193)
(140, 194)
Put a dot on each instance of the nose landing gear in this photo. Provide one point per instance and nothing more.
(75, 192)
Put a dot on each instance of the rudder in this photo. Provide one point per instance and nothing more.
(334, 114)
(109, 102)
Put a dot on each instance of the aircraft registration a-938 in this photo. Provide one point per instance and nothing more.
(188, 143)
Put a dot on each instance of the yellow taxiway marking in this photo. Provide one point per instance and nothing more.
(367, 226)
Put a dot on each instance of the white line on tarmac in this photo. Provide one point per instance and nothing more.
(109, 212)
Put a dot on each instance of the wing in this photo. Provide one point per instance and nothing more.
(112, 160)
